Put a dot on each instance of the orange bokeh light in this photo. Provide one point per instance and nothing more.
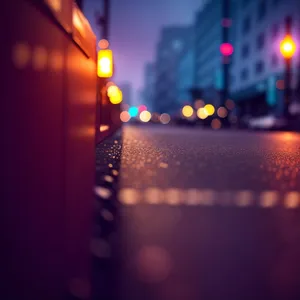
(103, 44)
(216, 124)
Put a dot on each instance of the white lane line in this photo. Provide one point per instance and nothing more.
(130, 196)
(205, 197)
(244, 198)
(292, 200)
(269, 199)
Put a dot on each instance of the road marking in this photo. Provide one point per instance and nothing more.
(205, 197)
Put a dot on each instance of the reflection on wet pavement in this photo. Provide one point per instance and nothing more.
(162, 234)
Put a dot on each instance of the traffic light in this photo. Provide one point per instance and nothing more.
(226, 49)
(105, 63)
(288, 47)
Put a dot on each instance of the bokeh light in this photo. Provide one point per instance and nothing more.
(112, 90)
(145, 116)
(229, 104)
(165, 118)
(125, 116)
(103, 44)
(116, 98)
(226, 49)
(110, 83)
(133, 111)
(280, 84)
(142, 108)
(187, 111)
(155, 117)
(216, 124)
(288, 47)
(222, 112)
(201, 113)
(199, 103)
(210, 110)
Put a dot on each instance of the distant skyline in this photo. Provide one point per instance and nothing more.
(135, 29)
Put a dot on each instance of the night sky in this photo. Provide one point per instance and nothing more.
(135, 27)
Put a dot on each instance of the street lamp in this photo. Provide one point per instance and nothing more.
(287, 49)
(105, 63)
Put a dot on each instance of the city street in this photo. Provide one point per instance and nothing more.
(200, 214)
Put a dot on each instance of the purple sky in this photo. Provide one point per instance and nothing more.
(135, 27)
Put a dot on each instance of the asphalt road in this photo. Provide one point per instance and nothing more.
(190, 214)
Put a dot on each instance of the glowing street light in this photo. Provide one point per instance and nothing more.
(288, 47)
(105, 63)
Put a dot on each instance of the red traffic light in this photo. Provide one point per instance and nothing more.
(226, 49)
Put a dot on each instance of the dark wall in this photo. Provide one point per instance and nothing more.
(47, 130)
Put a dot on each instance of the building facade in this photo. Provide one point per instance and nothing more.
(173, 42)
(258, 67)
(208, 38)
(126, 89)
(185, 76)
(149, 85)
(209, 72)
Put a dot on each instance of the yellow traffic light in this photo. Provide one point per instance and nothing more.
(288, 47)
(105, 63)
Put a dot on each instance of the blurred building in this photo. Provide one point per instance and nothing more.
(208, 38)
(149, 85)
(258, 66)
(185, 76)
(126, 89)
(173, 42)
(208, 73)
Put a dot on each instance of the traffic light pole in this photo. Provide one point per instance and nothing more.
(103, 23)
(226, 59)
(288, 72)
(103, 20)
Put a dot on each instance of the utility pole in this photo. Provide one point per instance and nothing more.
(103, 20)
(226, 23)
(288, 71)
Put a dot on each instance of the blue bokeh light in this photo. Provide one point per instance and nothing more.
(133, 111)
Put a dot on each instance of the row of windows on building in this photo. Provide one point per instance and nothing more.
(261, 13)
(259, 69)
(260, 40)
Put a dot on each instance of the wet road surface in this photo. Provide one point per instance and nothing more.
(193, 214)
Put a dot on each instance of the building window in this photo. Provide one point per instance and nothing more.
(260, 41)
(246, 25)
(232, 79)
(245, 51)
(259, 67)
(262, 9)
(275, 30)
(274, 60)
(244, 74)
